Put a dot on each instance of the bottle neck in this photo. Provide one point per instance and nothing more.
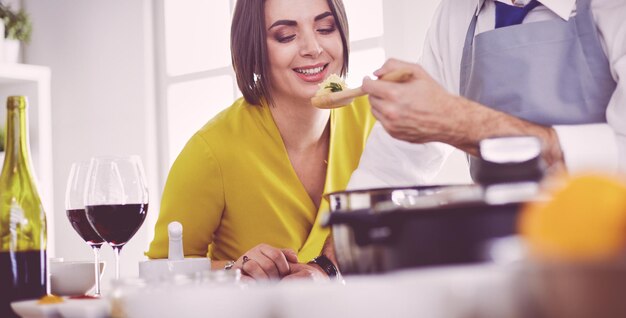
(16, 143)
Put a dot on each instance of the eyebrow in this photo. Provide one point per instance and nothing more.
(293, 23)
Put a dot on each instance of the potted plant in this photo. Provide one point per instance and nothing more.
(17, 29)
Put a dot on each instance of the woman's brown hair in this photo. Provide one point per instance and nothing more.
(249, 49)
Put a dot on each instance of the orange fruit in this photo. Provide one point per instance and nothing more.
(583, 220)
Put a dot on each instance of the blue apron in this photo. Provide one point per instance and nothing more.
(549, 72)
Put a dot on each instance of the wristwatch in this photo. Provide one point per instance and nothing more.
(327, 266)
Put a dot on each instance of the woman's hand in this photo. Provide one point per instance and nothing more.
(267, 262)
(306, 271)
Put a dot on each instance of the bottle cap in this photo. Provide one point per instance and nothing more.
(16, 102)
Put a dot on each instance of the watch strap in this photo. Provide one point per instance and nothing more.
(327, 266)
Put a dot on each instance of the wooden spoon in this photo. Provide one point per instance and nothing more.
(343, 98)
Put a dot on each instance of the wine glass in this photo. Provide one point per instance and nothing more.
(75, 210)
(116, 200)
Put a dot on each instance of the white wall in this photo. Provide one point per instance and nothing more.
(100, 54)
(406, 23)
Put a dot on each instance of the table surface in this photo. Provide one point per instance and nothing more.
(485, 290)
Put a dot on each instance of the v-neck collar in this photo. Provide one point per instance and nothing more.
(274, 132)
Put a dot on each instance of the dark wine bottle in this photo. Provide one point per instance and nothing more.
(23, 270)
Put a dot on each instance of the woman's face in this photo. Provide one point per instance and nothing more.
(303, 45)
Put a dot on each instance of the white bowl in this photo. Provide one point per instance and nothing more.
(159, 268)
(69, 308)
(32, 309)
(72, 278)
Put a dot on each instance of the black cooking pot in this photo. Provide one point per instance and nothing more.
(439, 225)
(379, 230)
(401, 196)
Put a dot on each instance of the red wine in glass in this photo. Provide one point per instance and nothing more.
(117, 223)
(76, 214)
(78, 220)
(116, 200)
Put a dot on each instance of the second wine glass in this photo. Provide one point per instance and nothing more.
(75, 210)
(116, 200)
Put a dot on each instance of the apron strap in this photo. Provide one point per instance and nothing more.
(468, 49)
(584, 18)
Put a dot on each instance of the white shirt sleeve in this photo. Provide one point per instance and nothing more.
(389, 162)
(602, 147)
(610, 21)
(581, 145)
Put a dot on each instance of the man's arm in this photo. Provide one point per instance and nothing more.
(582, 147)
(422, 111)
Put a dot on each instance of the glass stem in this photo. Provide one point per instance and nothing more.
(117, 250)
(96, 257)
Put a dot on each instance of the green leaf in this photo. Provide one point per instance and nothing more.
(334, 87)
(17, 26)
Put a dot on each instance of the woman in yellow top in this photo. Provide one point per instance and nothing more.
(250, 182)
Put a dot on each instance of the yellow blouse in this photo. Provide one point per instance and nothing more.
(233, 187)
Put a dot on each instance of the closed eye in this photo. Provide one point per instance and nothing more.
(327, 30)
(285, 39)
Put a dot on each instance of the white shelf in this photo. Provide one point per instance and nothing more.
(34, 82)
(11, 73)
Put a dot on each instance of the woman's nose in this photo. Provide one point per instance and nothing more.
(310, 45)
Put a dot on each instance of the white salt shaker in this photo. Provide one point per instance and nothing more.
(176, 263)
(175, 234)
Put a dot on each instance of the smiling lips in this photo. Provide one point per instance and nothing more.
(315, 73)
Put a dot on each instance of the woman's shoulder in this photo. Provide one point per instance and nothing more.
(234, 129)
(233, 121)
(221, 121)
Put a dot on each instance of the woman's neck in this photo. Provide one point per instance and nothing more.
(301, 125)
(305, 131)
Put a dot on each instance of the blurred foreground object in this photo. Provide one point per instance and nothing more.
(580, 289)
(585, 219)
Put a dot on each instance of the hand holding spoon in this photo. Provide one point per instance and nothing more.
(343, 98)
